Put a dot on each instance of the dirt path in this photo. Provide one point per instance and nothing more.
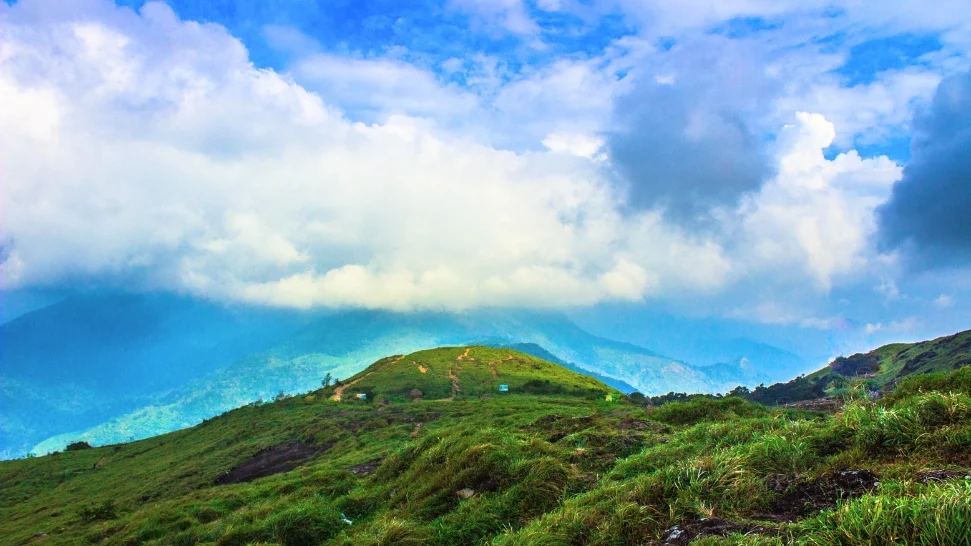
(455, 385)
(340, 390)
(421, 368)
(492, 365)
(464, 355)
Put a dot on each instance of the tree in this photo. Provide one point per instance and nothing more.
(77, 446)
(326, 382)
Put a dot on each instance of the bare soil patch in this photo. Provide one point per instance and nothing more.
(269, 461)
(800, 497)
(826, 405)
(366, 468)
(683, 534)
(932, 476)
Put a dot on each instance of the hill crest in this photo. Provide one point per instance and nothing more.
(450, 373)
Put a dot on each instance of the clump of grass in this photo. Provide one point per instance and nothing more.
(706, 409)
(307, 524)
(938, 515)
(98, 512)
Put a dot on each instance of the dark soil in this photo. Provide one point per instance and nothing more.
(643, 425)
(269, 461)
(800, 497)
(559, 427)
(827, 405)
(683, 534)
(367, 468)
(931, 476)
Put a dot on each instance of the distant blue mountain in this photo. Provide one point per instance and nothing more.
(108, 368)
(773, 352)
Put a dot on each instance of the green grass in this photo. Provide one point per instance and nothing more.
(551, 463)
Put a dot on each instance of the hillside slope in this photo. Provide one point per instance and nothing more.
(880, 369)
(468, 372)
(513, 469)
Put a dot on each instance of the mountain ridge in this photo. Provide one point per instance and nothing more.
(284, 351)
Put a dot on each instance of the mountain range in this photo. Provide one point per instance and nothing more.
(110, 368)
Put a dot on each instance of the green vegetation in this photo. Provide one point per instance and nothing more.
(875, 371)
(468, 373)
(552, 462)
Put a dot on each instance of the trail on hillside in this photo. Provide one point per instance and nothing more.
(421, 368)
(455, 385)
(492, 365)
(455, 378)
(340, 390)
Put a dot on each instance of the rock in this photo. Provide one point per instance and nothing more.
(465, 493)
(415, 394)
(674, 535)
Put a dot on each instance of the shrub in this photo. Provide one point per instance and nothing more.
(706, 409)
(957, 381)
(77, 446)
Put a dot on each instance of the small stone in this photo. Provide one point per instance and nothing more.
(465, 493)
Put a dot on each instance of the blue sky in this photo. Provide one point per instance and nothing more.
(764, 163)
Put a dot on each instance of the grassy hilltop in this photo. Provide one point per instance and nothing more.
(553, 462)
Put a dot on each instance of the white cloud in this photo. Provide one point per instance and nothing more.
(507, 15)
(943, 301)
(381, 86)
(573, 143)
(903, 325)
(138, 148)
(817, 212)
(136, 155)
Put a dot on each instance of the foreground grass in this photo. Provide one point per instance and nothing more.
(565, 468)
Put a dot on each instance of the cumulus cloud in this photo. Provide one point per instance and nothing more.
(929, 213)
(142, 147)
(143, 150)
(816, 212)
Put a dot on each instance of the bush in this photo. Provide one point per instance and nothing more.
(706, 409)
(957, 381)
(77, 446)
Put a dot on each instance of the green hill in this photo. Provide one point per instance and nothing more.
(554, 461)
(468, 372)
(880, 369)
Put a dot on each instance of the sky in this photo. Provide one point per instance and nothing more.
(798, 165)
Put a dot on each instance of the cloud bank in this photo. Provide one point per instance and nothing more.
(141, 150)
